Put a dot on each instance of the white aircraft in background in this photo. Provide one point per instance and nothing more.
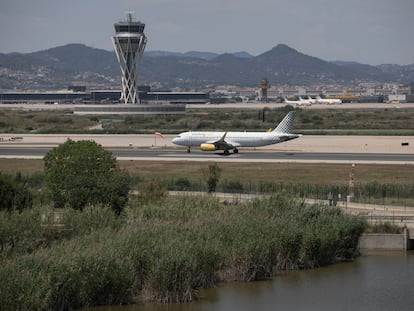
(311, 100)
(300, 102)
(306, 102)
(328, 101)
(212, 141)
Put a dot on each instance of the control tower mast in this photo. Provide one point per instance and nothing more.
(129, 42)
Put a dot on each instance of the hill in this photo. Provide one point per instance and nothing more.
(79, 64)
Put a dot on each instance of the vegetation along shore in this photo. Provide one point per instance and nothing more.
(163, 250)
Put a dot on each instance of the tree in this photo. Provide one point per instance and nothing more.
(81, 173)
(213, 177)
(14, 193)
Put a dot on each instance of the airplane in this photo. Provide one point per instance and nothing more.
(212, 141)
(311, 100)
(328, 100)
(300, 102)
(306, 102)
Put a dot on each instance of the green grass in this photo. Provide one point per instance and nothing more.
(384, 227)
(19, 121)
(164, 251)
(306, 173)
(319, 122)
(372, 181)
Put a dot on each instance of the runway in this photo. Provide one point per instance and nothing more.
(165, 154)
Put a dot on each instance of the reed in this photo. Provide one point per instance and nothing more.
(167, 249)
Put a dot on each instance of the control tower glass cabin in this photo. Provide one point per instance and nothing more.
(129, 42)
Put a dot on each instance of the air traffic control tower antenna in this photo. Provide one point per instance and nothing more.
(129, 42)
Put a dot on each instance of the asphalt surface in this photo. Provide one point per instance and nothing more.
(243, 156)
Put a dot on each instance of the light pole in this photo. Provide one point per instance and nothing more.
(352, 183)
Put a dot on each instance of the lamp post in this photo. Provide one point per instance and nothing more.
(352, 183)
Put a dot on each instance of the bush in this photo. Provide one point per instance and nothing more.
(384, 227)
(82, 173)
(28, 231)
(212, 177)
(14, 193)
(20, 232)
(151, 191)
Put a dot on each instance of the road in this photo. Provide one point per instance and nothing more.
(165, 154)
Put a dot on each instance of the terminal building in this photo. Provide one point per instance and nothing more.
(102, 98)
(151, 103)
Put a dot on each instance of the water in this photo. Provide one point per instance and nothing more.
(375, 281)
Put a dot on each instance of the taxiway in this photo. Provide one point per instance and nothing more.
(165, 154)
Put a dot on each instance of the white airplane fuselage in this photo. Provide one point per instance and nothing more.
(328, 101)
(243, 139)
(300, 102)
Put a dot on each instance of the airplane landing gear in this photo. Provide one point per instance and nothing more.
(227, 152)
(188, 150)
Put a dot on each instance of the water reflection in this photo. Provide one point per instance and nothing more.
(375, 281)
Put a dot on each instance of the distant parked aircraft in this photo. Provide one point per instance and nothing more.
(328, 100)
(306, 102)
(300, 102)
(212, 141)
(311, 100)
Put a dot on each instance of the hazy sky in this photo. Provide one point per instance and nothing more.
(367, 31)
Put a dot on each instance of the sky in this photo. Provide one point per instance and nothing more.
(367, 31)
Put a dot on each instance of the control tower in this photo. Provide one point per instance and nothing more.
(129, 42)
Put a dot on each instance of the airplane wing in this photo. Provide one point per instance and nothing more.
(220, 144)
(217, 141)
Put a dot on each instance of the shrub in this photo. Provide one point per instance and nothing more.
(151, 191)
(14, 193)
(81, 173)
(212, 177)
(384, 227)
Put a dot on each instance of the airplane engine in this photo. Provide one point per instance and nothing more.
(208, 147)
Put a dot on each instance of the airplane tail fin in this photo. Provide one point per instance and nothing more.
(286, 125)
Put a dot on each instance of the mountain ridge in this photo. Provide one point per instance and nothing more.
(281, 65)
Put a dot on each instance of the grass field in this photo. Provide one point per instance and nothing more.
(280, 172)
(322, 121)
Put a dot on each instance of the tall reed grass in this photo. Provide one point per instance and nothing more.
(368, 192)
(167, 250)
